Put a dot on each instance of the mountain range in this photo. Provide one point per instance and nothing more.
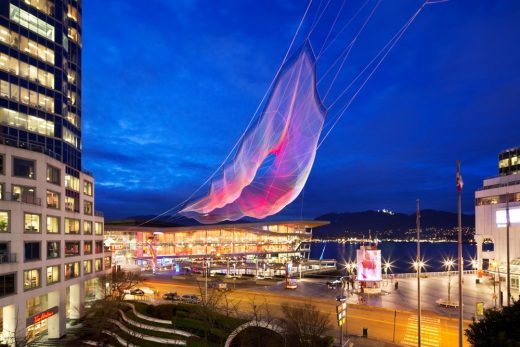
(385, 224)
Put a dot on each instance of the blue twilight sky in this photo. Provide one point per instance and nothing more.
(169, 87)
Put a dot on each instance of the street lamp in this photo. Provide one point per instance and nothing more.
(496, 265)
(448, 264)
(422, 264)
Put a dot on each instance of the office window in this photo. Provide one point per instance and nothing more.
(7, 284)
(72, 270)
(87, 207)
(25, 45)
(88, 188)
(71, 204)
(99, 246)
(25, 194)
(71, 138)
(30, 72)
(72, 248)
(32, 251)
(87, 247)
(73, 14)
(99, 228)
(4, 221)
(53, 274)
(87, 266)
(53, 225)
(98, 264)
(21, 120)
(31, 22)
(53, 249)
(24, 168)
(72, 183)
(31, 279)
(73, 118)
(71, 226)
(32, 223)
(53, 175)
(27, 97)
(87, 228)
(108, 262)
(73, 34)
(53, 199)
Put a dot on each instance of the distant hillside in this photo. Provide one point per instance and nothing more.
(434, 225)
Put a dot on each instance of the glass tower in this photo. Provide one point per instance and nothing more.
(40, 78)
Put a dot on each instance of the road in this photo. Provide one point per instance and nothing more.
(383, 323)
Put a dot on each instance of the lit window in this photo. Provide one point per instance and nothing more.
(87, 266)
(53, 225)
(87, 228)
(99, 228)
(72, 183)
(71, 226)
(31, 22)
(53, 249)
(87, 247)
(98, 264)
(87, 188)
(32, 223)
(4, 222)
(99, 247)
(31, 279)
(87, 207)
(72, 270)
(71, 204)
(53, 199)
(53, 175)
(53, 274)
(72, 248)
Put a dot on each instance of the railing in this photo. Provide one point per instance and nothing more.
(6, 258)
(428, 274)
(98, 213)
(25, 198)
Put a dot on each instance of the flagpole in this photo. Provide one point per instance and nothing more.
(508, 279)
(459, 191)
(418, 261)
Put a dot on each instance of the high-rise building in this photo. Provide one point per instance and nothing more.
(51, 238)
(497, 205)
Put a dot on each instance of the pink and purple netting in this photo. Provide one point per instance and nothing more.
(276, 154)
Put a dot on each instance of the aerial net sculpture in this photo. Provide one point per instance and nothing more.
(275, 155)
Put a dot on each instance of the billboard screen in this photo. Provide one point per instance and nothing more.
(368, 264)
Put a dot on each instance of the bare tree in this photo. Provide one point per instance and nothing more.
(97, 321)
(306, 325)
(117, 283)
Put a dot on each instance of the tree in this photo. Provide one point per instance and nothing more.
(497, 328)
(117, 283)
(96, 322)
(306, 326)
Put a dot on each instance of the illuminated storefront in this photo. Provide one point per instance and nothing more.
(166, 246)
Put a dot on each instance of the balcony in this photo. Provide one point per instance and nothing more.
(25, 198)
(7, 258)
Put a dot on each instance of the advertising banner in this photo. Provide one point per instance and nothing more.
(368, 264)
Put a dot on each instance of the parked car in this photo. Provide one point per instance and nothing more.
(341, 298)
(171, 296)
(334, 284)
(136, 291)
(190, 299)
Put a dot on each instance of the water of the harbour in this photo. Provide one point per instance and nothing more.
(400, 254)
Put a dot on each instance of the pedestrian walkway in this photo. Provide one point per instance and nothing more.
(430, 331)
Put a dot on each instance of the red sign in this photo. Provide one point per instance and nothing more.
(37, 318)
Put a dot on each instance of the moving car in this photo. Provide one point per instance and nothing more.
(136, 291)
(334, 284)
(171, 296)
(190, 299)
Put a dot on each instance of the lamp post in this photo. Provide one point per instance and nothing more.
(448, 264)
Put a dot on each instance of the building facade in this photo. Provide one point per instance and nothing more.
(497, 203)
(51, 237)
(242, 248)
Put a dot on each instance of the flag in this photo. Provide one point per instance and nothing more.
(460, 183)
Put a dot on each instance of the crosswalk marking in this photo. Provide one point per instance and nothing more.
(430, 331)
